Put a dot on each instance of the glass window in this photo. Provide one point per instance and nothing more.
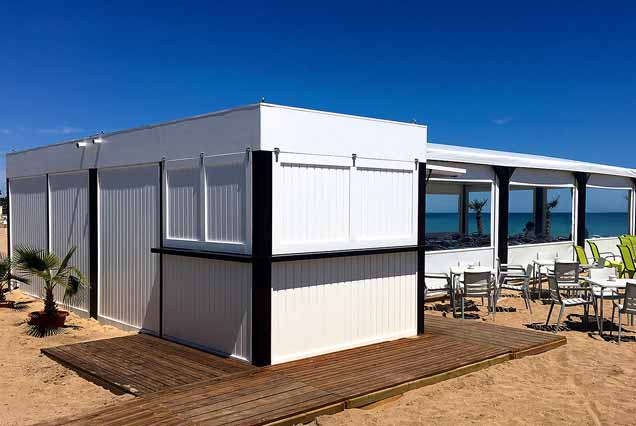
(457, 215)
(606, 212)
(539, 215)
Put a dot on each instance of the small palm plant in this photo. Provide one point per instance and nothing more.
(478, 206)
(53, 271)
(548, 215)
(6, 276)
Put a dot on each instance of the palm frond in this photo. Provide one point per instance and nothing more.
(72, 286)
(67, 258)
(23, 280)
(33, 260)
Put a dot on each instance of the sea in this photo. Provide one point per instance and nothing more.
(598, 224)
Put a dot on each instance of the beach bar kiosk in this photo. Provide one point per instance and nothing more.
(265, 233)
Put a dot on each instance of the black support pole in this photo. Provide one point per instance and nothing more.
(463, 211)
(581, 187)
(503, 177)
(262, 253)
(539, 210)
(93, 241)
(421, 254)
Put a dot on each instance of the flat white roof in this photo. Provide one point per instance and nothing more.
(461, 154)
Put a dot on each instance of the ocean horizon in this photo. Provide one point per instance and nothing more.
(608, 224)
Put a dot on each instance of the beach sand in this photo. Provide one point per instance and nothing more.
(589, 381)
(35, 388)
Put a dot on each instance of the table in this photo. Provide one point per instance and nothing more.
(537, 265)
(457, 271)
(605, 284)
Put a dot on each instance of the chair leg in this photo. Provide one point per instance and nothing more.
(620, 326)
(494, 307)
(462, 306)
(559, 319)
(528, 301)
(595, 313)
(547, 321)
(612, 322)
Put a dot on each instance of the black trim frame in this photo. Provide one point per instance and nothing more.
(503, 181)
(93, 241)
(581, 189)
(262, 262)
(422, 180)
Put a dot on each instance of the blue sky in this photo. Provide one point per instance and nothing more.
(553, 78)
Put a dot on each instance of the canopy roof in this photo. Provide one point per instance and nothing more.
(460, 154)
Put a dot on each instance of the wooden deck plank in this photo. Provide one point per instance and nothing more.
(180, 385)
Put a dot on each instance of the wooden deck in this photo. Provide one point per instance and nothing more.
(183, 386)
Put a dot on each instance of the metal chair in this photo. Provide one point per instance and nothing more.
(605, 258)
(517, 280)
(556, 299)
(627, 307)
(629, 266)
(478, 284)
(567, 276)
(598, 293)
(432, 278)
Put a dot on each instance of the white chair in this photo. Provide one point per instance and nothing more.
(515, 279)
(567, 276)
(434, 281)
(478, 284)
(556, 299)
(597, 292)
(627, 307)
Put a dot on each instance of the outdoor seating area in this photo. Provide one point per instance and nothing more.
(569, 284)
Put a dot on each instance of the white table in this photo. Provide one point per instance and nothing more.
(606, 284)
(537, 265)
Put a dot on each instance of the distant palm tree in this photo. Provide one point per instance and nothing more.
(548, 215)
(53, 270)
(478, 206)
(6, 276)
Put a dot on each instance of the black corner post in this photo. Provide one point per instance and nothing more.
(503, 178)
(8, 220)
(463, 210)
(262, 254)
(93, 241)
(539, 210)
(581, 188)
(422, 179)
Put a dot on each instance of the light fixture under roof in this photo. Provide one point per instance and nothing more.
(99, 138)
(81, 144)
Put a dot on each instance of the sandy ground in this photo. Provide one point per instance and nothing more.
(589, 381)
(35, 388)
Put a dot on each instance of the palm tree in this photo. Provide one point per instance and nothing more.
(53, 271)
(548, 215)
(478, 206)
(6, 276)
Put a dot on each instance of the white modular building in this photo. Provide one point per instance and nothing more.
(266, 233)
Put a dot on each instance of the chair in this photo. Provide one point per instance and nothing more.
(478, 284)
(629, 268)
(556, 299)
(581, 256)
(627, 307)
(513, 279)
(567, 276)
(598, 257)
(432, 278)
(628, 240)
(598, 293)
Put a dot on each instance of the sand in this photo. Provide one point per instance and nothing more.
(35, 388)
(589, 381)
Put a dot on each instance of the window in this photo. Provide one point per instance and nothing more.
(539, 215)
(457, 215)
(606, 212)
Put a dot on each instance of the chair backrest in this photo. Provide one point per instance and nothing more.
(477, 283)
(628, 260)
(553, 286)
(632, 244)
(436, 281)
(629, 303)
(566, 272)
(581, 255)
(595, 253)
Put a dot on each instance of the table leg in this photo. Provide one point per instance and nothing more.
(600, 328)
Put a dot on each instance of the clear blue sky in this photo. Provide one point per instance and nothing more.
(554, 78)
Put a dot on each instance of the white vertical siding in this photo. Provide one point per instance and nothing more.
(183, 198)
(312, 204)
(384, 207)
(208, 304)
(226, 203)
(128, 229)
(69, 226)
(28, 220)
(324, 305)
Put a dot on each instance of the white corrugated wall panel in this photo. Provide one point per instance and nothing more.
(324, 305)
(28, 220)
(383, 206)
(69, 227)
(311, 204)
(208, 304)
(128, 229)
(183, 199)
(226, 187)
